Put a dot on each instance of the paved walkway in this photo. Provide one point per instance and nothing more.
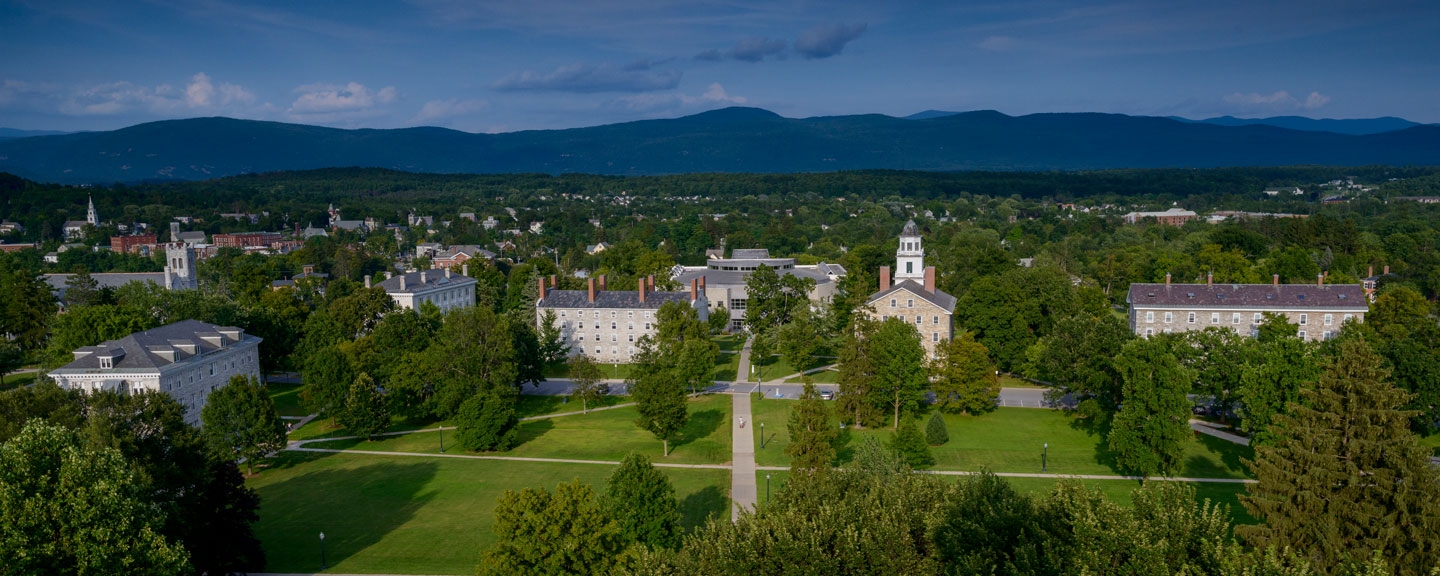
(1209, 429)
(743, 491)
(743, 373)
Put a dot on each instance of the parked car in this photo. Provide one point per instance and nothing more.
(827, 395)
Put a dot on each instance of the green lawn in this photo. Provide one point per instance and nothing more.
(604, 435)
(608, 371)
(416, 515)
(1118, 491)
(821, 377)
(287, 399)
(729, 342)
(18, 380)
(538, 405)
(1008, 381)
(1008, 440)
(727, 366)
(780, 367)
(1433, 441)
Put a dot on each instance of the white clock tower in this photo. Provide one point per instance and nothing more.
(910, 257)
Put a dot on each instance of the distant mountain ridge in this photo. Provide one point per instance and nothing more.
(6, 133)
(1354, 127)
(726, 140)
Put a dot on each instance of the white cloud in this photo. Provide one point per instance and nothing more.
(1315, 100)
(444, 110)
(997, 44)
(201, 92)
(658, 104)
(1278, 101)
(334, 98)
(590, 78)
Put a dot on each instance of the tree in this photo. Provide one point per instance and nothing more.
(1218, 358)
(719, 320)
(487, 422)
(659, 397)
(71, 509)
(327, 376)
(1271, 383)
(935, 431)
(812, 434)
(30, 304)
(365, 412)
(1274, 327)
(554, 346)
(585, 381)
(1345, 477)
(1077, 357)
(910, 444)
(963, 377)
(474, 351)
(642, 501)
(1149, 432)
(857, 373)
(81, 289)
(559, 533)
(899, 361)
(240, 421)
(11, 358)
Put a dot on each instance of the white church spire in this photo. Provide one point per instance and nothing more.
(91, 217)
(910, 257)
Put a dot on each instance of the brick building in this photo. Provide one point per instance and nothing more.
(1172, 217)
(141, 244)
(247, 239)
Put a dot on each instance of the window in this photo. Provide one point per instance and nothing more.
(612, 325)
(735, 304)
(562, 313)
(647, 326)
(1304, 319)
(597, 336)
(629, 325)
(1235, 318)
(580, 325)
(647, 314)
(614, 350)
(892, 302)
(1257, 318)
(580, 337)
(1169, 317)
(630, 314)
(212, 368)
(1325, 335)
(1149, 332)
(934, 336)
(909, 267)
(632, 350)
(1190, 318)
(106, 363)
(1214, 317)
(632, 337)
(597, 350)
(910, 303)
(1149, 316)
(612, 313)
(884, 317)
(597, 314)
(564, 324)
(935, 319)
(1329, 319)
(919, 320)
(1302, 334)
(1347, 317)
(613, 337)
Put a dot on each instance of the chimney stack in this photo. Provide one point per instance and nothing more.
(702, 284)
(402, 282)
(592, 290)
(884, 278)
(465, 270)
(1387, 270)
(542, 288)
(930, 279)
(1209, 278)
(447, 273)
(1372, 271)
(1275, 280)
(1320, 280)
(554, 282)
(642, 290)
(1167, 278)
(602, 282)
(367, 281)
(650, 283)
(423, 279)
(694, 289)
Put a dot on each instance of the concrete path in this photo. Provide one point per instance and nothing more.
(1209, 429)
(743, 491)
(743, 373)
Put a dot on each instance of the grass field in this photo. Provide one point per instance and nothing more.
(822, 377)
(416, 515)
(1433, 441)
(18, 380)
(729, 342)
(1007, 440)
(1008, 381)
(287, 399)
(604, 435)
(727, 366)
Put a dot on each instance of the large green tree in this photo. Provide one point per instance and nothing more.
(963, 377)
(1345, 477)
(857, 373)
(328, 375)
(585, 381)
(1270, 383)
(365, 413)
(900, 375)
(240, 421)
(1149, 433)
(487, 421)
(1077, 357)
(659, 396)
(812, 434)
(554, 533)
(642, 501)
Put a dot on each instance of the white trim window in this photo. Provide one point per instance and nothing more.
(1150, 317)
(1190, 318)
(1169, 317)
(1329, 319)
(1302, 334)
(1214, 317)
(1257, 318)
(1304, 319)
(1235, 318)
(1149, 332)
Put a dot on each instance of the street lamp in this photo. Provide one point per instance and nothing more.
(767, 488)
(322, 551)
(1044, 456)
(762, 435)
(441, 428)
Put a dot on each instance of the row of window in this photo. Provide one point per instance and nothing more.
(445, 299)
(1328, 319)
(1254, 332)
(919, 320)
(580, 314)
(580, 337)
(580, 325)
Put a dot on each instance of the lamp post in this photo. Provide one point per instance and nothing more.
(441, 428)
(322, 551)
(767, 489)
(762, 435)
(1044, 456)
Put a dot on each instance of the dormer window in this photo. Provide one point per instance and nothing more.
(107, 362)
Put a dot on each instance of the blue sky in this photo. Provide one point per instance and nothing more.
(538, 64)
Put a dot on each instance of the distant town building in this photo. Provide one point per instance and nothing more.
(459, 255)
(179, 273)
(187, 360)
(725, 279)
(490, 223)
(426, 249)
(1171, 217)
(411, 290)
(1318, 310)
(1278, 191)
(307, 273)
(17, 247)
(912, 295)
(1420, 199)
(596, 248)
(247, 239)
(606, 324)
(8, 227)
(312, 232)
(133, 244)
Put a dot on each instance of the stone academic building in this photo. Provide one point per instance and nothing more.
(1318, 309)
(606, 324)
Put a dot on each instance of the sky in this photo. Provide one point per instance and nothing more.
(507, 65)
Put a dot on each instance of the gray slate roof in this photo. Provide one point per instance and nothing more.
(140, 348)
(749, 253)
(621, 299)
(433, 279)
(938, 297)
(105, 280)
(1298, 296)
(737, 277)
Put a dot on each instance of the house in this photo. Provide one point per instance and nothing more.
(1278, 191)
(460, 254)
(307, 275)
(467, 216)
(133, 244)
(8, 227)
(597, 248)
(426, 249)
(490, 223)
(312, 232)
(428, 221)
(187, 360)
(1317, 309)
(1172, 217)
(724, 279)
(74, 229)
(911, 295)
(18, 247)
(411, 290)
(606, 324)
(1371, 283)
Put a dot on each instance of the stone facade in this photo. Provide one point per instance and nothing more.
(447, 291)
(724, 279)
(913, 296)
(1318, 310)
(606, 324)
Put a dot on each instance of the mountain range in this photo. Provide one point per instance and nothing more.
(727, 140)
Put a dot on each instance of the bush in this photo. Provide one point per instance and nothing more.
(910, 445)
(935, 431)
(487, 422)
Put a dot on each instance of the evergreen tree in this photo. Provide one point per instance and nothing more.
(1345, 477)
(585, 384)
(857, 373)
(554, 346)
(553, 534)
(900, 375)
(910, 444)
(1149, 433)
(812, 434)
(642, 501)
(936, 432)
(365, 411)
(487, 421)
(240, 421)
(963, 377)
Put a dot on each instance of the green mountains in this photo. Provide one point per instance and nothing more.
(728, 140)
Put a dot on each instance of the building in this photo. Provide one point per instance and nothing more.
(133, 244)
(1371, 283)
(412, 290)
(606, 324)
(724, 279)
(1171, 217)
(91, 216)
(459, 255)
(1317, 309)
(18, 247)
(187, 360)
(312, 232)
(8, 227)
(179, 273)
(594, 249)
(490, 223)
(307, 275)
(247, 239)
(911, 294)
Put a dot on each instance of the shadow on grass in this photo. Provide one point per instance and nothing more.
(701, 424)
(844, 447)
(1231, 457)
(532, 429)
(354, 507)
(699, 507)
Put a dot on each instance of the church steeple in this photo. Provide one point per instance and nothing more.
(910, 257)
(91, 217)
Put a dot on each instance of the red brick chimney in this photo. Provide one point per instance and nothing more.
(650, 283)
(1320, 280)
(1372, 271)
(542, 288)
(1387, 270)
(1275, 280)
(1209, 278)
(884, 278)
(930, 279)
(1167, 278)
(694, 289)
(602, 281)
(554, 282)
(592, 290)
(642, 290)
(702, 284)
